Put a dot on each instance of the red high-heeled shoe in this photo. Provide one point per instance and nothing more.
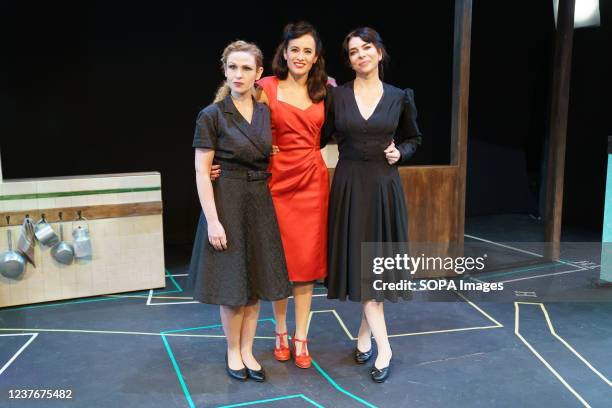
(302, 360)
(281, 353)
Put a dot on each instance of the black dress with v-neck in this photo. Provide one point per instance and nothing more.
(253, 266)
(366, 202)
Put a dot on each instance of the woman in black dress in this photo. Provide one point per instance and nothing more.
(237, 255)
(375, 126)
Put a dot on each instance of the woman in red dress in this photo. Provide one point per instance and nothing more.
(299, 182)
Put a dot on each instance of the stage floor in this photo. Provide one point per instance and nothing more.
(161, 349)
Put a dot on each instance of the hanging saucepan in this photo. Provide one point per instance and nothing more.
(82, 241)
(12, 263)
(26, 241)
(63, 252)
(45, 234)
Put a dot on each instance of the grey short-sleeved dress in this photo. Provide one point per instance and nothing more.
(253, 266)
(366, 202)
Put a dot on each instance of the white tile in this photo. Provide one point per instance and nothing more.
(140, 226)
(152, 180)
(126, 227)
(68, 228)
(69, 290)
(62, 202)
(18, 293)
(154, 196)
(12, 205)
(5, 294)
(36, 287)
(95, 199)
(114, 260)
(132, 181)
(91, 183)
(103, 183)
(330, 155)
(85, 280)
(53, 284)
(132, 255)
(111, 228)
(129, 198)
(26, 205)
(79, 201)
(80, 184)
(53, 186)
(105, 199)
(99, 276)
(19, 187)
(45, 203)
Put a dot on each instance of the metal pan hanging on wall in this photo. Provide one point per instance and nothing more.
(45, 233)
(27, 240)
(12, 263)
(82, 240)
(63, 252)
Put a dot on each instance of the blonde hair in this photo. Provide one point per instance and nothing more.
(237, 46)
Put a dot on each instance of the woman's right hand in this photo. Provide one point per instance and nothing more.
(216, 236)
(215, 172)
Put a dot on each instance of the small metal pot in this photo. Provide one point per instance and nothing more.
(82, 240)
(63, 252)
(45, 234)
(12, 263)
(27, 241)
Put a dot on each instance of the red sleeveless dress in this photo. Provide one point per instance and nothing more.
(299, 184)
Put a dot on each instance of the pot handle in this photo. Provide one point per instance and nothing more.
(81, 218)
(9, 236)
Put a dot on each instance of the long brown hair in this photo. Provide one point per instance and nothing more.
(237, 46)
(317, 77)
(371, 36)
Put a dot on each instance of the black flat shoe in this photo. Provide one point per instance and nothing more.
(362, 356)
(257, 375)
(380, 375)
(240, 375)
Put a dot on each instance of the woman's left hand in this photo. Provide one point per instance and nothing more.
(392, 154)
(275, 150)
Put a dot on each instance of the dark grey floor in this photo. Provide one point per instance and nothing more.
(547, 342)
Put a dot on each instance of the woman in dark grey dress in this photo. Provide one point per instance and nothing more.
(375, 126)
(237, 255)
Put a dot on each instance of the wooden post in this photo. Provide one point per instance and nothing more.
(559, 102)
(461, 90)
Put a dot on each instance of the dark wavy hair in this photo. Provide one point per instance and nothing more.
(317, 77)
(368, 35)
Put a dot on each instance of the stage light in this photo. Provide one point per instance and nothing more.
(586, 13)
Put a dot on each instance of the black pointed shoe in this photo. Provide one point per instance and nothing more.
(362, 356)
(257, 375)
(240, 375)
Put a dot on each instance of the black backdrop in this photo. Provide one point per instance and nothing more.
(104, 87)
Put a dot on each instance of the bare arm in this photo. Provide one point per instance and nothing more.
(261, 96)
(203, 163)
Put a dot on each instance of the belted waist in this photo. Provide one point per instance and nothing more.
(248, 175)
(367, 157)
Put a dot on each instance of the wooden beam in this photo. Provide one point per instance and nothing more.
(91, 212)
(559, 102)
(461, 91)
